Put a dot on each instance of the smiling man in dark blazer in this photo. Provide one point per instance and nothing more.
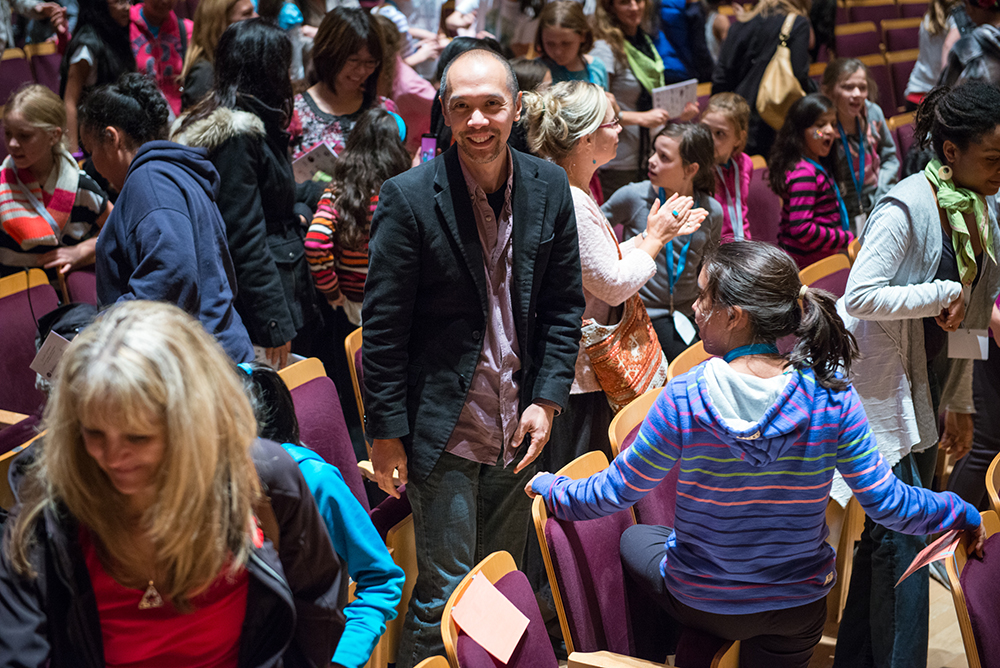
(472, 313)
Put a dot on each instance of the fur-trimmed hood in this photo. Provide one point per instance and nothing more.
(216, 128)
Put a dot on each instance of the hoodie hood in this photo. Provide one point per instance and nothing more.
(171, 156)
(759, 419)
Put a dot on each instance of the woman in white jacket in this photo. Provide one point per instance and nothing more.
(926, 273)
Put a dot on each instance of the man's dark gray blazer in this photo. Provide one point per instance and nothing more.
(425, 304)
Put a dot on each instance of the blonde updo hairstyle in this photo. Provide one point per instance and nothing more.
(558, 117)
(40, 108)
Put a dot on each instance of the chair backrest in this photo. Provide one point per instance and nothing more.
(82, 285)
(24, 297)
(321, 422)
(853, 249)
(899, 34)
(845, 526)
(856, 39)
(433, 662)
(902, 127)
(352, 346)
(764, 206)
(687, 360)
(900, 65)
(872, 10)
(704, 93)
(584, 569)
(829, 274)
(879, 72)
(912, 8)
(658, 506)
(402, 544)
(6, 493)
(816, 71)
(975, 588)
(534, 649)
(45, 60)
(14, 71)
(993, 484)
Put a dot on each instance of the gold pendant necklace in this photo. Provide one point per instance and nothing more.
(151, 599)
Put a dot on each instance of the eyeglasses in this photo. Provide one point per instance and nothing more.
(613, 123)
(367, 63)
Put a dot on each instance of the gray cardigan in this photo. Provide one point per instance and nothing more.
(629, 206)
(890, 290)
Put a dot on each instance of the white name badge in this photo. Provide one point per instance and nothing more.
(48, 356)
(969, 344)
(683, 327)
(859, 223)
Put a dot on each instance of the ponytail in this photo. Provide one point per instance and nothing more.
(764, 282)
(824, 344)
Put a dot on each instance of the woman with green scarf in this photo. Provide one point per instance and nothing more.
(925, 280)
(634, 70)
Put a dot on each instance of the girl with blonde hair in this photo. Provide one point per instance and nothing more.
(146, 496)
(210, 20)
(50, 210)
(573, 123)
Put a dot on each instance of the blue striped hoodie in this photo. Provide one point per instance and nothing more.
(751, 531)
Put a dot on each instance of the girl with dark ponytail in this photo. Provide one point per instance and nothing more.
(760, 436)
(926, 268)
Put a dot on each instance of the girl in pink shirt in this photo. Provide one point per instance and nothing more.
(728, 116)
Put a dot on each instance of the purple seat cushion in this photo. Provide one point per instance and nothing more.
(82, 285)
(46, 70)
(19, 433)
(889, 95)
(765, 208)
(904, 139)
(857, 44)
(534, 650)
(835, 282)
(17, 346)
(981, 584)
(658, 506)
(899, 39)
(588, 570)
(322, 428)
(360, 368)
(390, 512)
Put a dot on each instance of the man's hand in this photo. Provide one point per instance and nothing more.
(388, 455)
(537, 421)
(957, 437)
(278, 357)
(68, 257)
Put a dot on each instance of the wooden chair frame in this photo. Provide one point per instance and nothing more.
(900, 120)
(954, 567)
(629, 417)
(823, 268)
(853, 249)
(687, 360)
(759, 161)
(846, 525)
(6, 493)
(434, 662)
(21, 281)
(352, 344)
(402, 544)
(855, 28)
(993, 484)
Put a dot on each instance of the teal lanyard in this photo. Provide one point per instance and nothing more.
(754, 349)
(735, 213)
(836, 190)
(672, 277)
(859, 178)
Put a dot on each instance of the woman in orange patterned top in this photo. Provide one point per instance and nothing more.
(337, 241)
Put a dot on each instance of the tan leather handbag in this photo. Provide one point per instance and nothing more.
(779, 89)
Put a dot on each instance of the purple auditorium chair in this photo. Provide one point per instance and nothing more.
(45, 61)
(872, 10)
(14, 71)
(765, 208)
(321, 421)
(879, 71)
(82, 285)
(912, 8)
(975, 586)
(901, 34)
(24, 297)
(900, 65)
(856, 39)
(905, 139)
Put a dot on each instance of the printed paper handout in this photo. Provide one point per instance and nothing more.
(489, 618)
(672, 98)
(942, 548)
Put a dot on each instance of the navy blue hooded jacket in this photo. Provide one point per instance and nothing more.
(165, 240)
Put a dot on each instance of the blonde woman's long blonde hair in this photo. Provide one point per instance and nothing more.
(608, 28)
(145, 365)
(559, 116)
(211, 19)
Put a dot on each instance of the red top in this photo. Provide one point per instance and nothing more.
(209, 637)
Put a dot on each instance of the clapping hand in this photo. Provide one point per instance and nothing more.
(675, 217)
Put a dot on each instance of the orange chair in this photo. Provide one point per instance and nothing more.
(687, 360)
(853, 249)
(993, 484)
(955, 567)
(856, 39)
(352, 346)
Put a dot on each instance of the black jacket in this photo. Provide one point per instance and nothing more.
(295, 599)
(745, 55)
(258, 199)
(425, 302)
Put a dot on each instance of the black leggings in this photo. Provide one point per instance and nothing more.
(775, 639)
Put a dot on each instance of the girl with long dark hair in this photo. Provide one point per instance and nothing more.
(337, 241)
(814, 220)
(242, 124)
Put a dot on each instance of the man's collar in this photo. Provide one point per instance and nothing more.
(470, 180)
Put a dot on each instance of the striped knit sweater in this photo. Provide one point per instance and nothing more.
(751, 495)
(336, 269)
(810, 218)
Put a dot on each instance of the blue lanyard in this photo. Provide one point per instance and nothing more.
(754, 349)
(836, 190)
(859, 178)
(672, 277)
(735, 214)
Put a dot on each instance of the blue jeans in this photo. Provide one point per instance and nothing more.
(885, 626)
(462, 512)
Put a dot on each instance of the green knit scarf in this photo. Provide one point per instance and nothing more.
(954, 202)
(648, 71)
